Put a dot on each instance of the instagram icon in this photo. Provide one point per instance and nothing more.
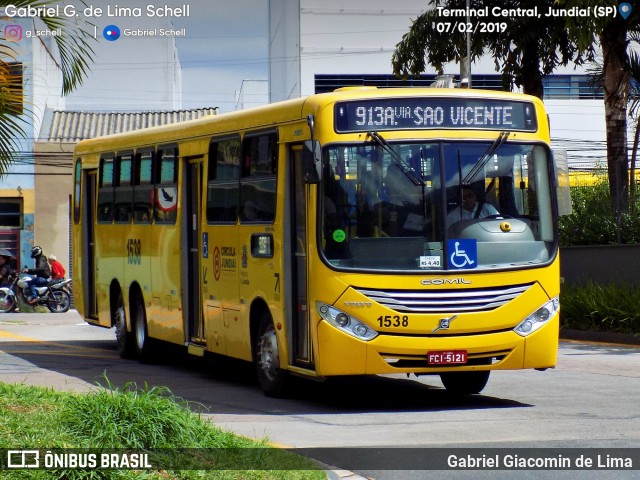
(13, 33)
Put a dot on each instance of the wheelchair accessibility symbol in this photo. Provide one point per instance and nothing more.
(463, 253)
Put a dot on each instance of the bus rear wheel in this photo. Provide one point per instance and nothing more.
(271, 378)
(143, 344)
(125, 341)
(465, 383)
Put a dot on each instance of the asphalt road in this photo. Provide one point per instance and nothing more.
(590, 401)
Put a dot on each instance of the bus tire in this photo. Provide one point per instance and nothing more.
(125, 341)
(143, 344)
(465, 383)
(272, 379)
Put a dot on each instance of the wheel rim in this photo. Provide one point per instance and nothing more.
(6, 302)
(121, 328)
(268, 357)
(60, 301)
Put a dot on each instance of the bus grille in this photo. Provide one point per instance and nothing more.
(445, 301)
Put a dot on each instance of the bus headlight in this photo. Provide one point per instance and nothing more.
(538, 318)
(345, 322)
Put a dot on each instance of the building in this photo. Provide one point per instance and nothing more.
(35, 66)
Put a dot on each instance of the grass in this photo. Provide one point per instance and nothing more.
(601, 307)
(149, 420)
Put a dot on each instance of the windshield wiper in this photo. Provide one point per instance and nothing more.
(486, 156)
(404, 166)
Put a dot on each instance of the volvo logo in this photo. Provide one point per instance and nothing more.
(445, 323)
(358, 304)
(446, 281)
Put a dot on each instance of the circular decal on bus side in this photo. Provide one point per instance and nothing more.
(167, 198)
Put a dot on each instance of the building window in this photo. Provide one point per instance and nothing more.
(573, 87)
(11, 213)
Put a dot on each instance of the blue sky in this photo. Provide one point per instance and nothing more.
(225, 43)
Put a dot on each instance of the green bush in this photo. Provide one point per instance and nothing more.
(598, 307)
(593, 221)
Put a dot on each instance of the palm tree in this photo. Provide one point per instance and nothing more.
(615, 82)
(617, 73)
(634, 113)
(11, 124)
(76, 54)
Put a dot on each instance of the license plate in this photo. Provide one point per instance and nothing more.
(447, 357)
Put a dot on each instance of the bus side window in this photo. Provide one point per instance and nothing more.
(166, 190)
(143, 186)
(222, 181)
(258, 181)
(123, 191)
(105, 189)
(77, 190)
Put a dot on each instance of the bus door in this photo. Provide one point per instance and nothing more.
(89, 244)
(298, 309)
(192, 294)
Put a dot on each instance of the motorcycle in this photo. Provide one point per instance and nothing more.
(55, 295)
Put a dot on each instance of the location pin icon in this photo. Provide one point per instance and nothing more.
(625, 10)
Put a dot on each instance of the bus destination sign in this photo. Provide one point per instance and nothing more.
(434, 112)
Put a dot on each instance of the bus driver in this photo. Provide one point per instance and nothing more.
(469, 208)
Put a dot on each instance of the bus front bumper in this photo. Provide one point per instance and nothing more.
(342, 354)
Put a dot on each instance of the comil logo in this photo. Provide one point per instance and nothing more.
(13, 33)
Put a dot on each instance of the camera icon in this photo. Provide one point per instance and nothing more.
(13, 33)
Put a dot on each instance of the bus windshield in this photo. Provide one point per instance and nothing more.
(437, 205)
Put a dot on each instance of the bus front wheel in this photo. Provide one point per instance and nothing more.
(465, 383)
(271, 378)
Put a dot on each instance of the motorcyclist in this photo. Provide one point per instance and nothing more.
(41, 273)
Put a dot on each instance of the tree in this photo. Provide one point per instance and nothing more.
(528, 48)
(634, 113)
(76, 55)
(616, 76)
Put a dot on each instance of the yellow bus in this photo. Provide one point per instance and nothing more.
(327, 236)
